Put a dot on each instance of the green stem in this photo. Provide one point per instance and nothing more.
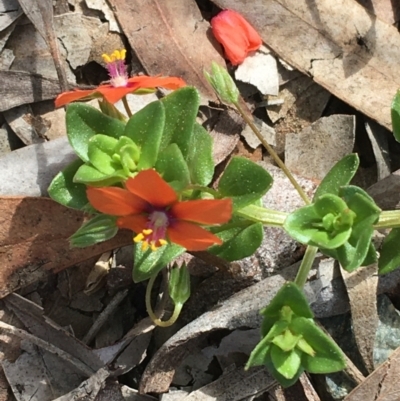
(388, 219)
(157, 321)
(274, 155)
(201, 188)
(260, 214)
(305, 266)
(126, 106)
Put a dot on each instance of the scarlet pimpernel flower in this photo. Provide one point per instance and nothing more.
(120, 84)
(150, 207)
(236, 35)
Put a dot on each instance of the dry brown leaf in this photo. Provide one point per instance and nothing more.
(382, 384)
(386, 10)
(40, 12)
(362, 290)
(18, 87)
(170, 38)
(346, 50)
(34, 236)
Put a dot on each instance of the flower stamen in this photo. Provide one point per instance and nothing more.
(117, 70)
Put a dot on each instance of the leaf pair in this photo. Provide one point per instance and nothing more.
(291, 341)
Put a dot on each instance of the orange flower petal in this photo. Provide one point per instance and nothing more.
(149, 186)
(112, 95)
(68, 97)
(236, 35)
(115, 201)
(191, 236)
(204, 211)
(136, 223)
(145, 81)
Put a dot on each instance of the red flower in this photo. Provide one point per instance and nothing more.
(150, 208)
(120, 84)
(237, 36)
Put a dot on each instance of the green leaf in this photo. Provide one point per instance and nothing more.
(199, 159)
(67, 192)
(328, 356)
(91, 176)
(83, 122)
(396, 116)
(98, 229)
(181, 107)
(147, 263)
(259, 354)
(145, 128)
(244, 182)
(173, 168)
(100, 152)
(283, 381)
(339, 175)
(239, 242)
(290, 295)
(287, 363)
(352, 254)
(309, 225)
(110, 110)
(389, 259)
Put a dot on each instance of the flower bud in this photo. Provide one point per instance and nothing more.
(179, 284)
(222, 83)
(237, 36)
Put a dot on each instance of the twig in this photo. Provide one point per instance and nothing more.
(82, 367)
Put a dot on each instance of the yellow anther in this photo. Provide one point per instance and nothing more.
(106, 58)
(115, 55)
(148, 231)
(138, 238)
(163, 242)
(145, 246)
(153, 246)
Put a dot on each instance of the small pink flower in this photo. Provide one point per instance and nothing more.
(236, 35)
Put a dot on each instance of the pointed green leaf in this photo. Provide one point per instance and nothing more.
(259, 354)
(287, 363)
(289, 295)
(286, 341)
(67, 192)
(181, 107)
(244, 181)
(84, 121)
(98, 229)
(199, 159)
(147, 263)
(173, 168)
(145, 128)
(389, 259)
(339, 175)
(283, 381)
(239, 242)
(328, 356)
(396, 116)
(91, 176)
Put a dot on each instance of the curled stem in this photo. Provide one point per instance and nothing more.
(156, 320)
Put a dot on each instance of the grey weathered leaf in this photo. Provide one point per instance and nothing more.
(40, 12)
(19, 87)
